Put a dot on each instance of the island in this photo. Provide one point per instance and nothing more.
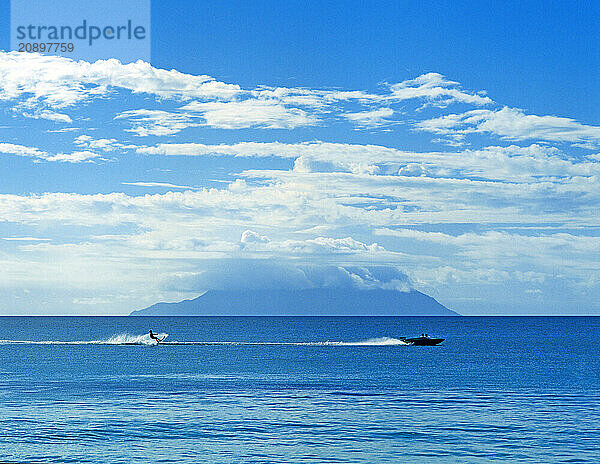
(302, 302)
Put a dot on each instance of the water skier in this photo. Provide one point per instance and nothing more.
(154, 336)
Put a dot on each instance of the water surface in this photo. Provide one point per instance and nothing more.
(299, 390)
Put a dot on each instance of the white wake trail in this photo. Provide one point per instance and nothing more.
(144, 339)
(382, 341)
(119, 339)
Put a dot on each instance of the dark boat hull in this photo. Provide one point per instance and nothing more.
(424, 341)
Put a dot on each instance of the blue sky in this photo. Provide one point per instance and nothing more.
(456, 144)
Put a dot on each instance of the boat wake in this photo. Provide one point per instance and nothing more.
(383, 341)
(119, 339)
(128, 339)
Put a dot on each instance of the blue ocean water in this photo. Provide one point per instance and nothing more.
(269, 390)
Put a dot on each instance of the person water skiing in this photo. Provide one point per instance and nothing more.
(154, 336)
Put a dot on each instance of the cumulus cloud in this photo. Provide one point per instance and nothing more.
(349, 206)
(249, 236)
(317, 246)
(181, 229)
(412, 169)
(510, 163)
(297, 199)
(308, 156)
(269, 274)
(347, 244)
(62, 82)
(45, 83)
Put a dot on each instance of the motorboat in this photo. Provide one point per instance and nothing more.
(423, 340)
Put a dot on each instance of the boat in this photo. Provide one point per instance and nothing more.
(423, 340)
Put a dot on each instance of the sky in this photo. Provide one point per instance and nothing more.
(449, 147)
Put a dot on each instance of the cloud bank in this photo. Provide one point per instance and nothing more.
(267, 274)
(147, 184)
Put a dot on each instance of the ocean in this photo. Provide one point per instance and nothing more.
(299, 390)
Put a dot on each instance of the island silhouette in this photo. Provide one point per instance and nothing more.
(303, 302)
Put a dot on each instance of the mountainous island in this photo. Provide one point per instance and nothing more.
(304, 302)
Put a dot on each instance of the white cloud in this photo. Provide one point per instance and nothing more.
(266, 273)
(347, 244)
(266, 114)
(344, 204)
(74, 157)
(32, 152)
(174, 231)
(61, 82)
(503, 243)
(47, 83)
(106, 145)
(24, 239)
(155, 122)
(21, 150)
(512, 163)
(438, 91)
(372, 118)
(513, 124)
(355, 158)
(249, 236)
(93, 301)
(290, 201)
(62, 130)
(318, 246)
(50, 116)
(160, 185)
(497, 256)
